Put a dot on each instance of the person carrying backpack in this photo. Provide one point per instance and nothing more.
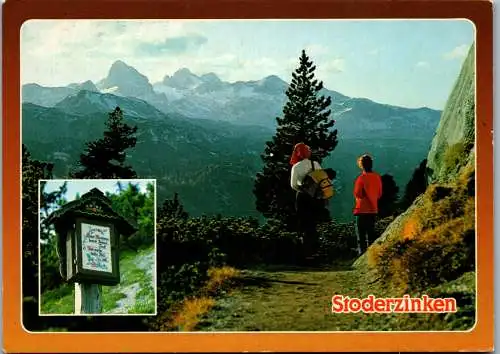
(367, 192)
(313, 187)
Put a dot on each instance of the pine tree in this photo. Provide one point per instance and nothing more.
(173, 208)
(105, 157)
(138, 208)
(50, 266)
(32, 171)
(306, 118)
(416, 185)
(387, 203)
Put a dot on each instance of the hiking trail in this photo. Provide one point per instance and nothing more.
(299, 299)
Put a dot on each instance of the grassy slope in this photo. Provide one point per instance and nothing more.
(135, 281)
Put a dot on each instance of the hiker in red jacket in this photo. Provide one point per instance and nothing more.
(307, 208)
(367, 192)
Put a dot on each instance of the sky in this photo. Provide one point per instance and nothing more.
(81, 187)
(410, 63)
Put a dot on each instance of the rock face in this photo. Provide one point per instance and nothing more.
(126, 81)
(452, 147)
(454, 140)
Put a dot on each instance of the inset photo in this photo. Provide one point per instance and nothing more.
(97, 247)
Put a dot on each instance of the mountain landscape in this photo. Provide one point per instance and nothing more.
(202, 137)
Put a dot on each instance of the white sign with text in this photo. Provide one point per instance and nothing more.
(96, 248)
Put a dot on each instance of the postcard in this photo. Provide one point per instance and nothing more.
(307, 176)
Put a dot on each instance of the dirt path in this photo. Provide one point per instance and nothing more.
(136, 273)
(298, 300)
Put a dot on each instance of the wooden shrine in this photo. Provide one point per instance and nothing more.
(88, 238)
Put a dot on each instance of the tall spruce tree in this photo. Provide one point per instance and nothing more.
(105, 157)
(306, 118)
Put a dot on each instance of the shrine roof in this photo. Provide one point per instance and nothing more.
(91, 204)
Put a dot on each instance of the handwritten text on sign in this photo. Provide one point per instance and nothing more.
(96, 248)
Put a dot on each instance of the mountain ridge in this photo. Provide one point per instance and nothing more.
(217, 127)
(196, 153)
(194, 96)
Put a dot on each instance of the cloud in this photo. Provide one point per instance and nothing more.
(172, 45)
(422, 64)
(457, 52)
(51, 49)
(324, 67)
(316, 50)
(334, 65)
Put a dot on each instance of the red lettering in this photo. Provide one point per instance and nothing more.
(380, 305)
(355, 305)
(451, 305)
(337, 303)
(438, 305)
(405, 304)
(367, 304)
(416, 305)
(389, 305)
(399, 307)
(427, 304)
(346, 304)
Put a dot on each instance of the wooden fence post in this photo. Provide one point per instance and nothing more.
(88, 298)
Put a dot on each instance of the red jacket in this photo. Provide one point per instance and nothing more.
(367, 192)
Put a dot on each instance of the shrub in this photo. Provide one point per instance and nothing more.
(337, 241)
(179, 281)
(185, 312)
(190, 248)
(382, 224)
(454, 156)
(50, 275)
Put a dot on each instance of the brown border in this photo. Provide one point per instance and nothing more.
(18, 340)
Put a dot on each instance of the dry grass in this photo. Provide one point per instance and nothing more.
(412, 228)
(219, 277)
(374, 253)
(189, 313)
(434, 242)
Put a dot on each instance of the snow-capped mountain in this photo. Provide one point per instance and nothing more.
(203, 125)
(124, 80)
(87, 85)
(129, 81)
(256, 102)
(183, 79)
